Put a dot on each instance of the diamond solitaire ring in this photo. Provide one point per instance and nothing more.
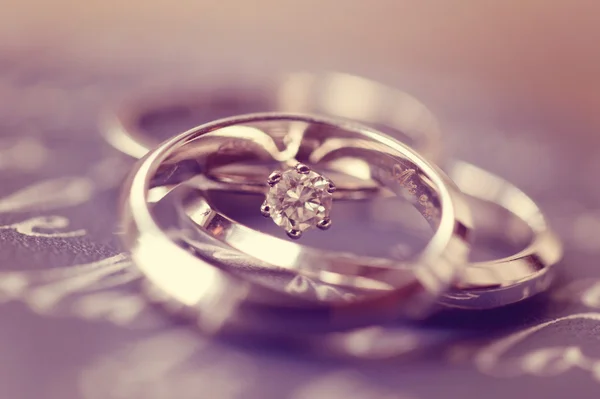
(161, 248)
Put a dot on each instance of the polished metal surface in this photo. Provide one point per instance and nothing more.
(195, 284)
(331, 94)
(512, 278)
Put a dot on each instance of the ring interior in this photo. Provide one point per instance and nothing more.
(387, 167)
(211, 293)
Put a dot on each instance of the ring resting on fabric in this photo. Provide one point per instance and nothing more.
(195, 284)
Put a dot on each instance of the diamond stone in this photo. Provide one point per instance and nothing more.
(299, 200)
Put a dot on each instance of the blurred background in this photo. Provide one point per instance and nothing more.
(454, 54)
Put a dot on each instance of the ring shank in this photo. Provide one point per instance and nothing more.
(154, 247)
(330, 94)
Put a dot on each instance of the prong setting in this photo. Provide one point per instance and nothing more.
(274, 178)
(294, 234)
(324, 224)
(265, 210)
(331, 189)
(302, 169)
